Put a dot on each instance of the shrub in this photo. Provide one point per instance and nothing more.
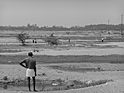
(5, 78)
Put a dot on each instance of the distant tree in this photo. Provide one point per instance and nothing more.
(22, 38)
(91, 27)
(52, 40)
(67, 33)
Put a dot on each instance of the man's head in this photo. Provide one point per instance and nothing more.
(30, 54)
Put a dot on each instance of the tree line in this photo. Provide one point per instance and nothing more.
(34, 27)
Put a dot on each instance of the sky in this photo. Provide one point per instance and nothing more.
(60, 12)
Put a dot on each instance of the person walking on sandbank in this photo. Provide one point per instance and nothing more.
(30, 64)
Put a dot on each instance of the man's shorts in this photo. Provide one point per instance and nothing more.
(30, 73)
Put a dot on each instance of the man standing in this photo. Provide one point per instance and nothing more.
(30, 64)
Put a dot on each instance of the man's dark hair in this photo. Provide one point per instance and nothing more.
(30, 54)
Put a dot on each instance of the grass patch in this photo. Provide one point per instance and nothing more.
(15, 59)
(75, 69)
(10, 50)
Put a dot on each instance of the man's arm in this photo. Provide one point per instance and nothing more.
(23, 63)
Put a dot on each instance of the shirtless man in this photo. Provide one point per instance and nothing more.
(30, 64)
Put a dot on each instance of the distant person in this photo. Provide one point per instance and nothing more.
(102, 39)
(30, 64)
(69, 40)
(33, 41)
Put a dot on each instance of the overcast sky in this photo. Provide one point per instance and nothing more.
(60, 12)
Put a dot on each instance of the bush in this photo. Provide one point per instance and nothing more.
(5, 78)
